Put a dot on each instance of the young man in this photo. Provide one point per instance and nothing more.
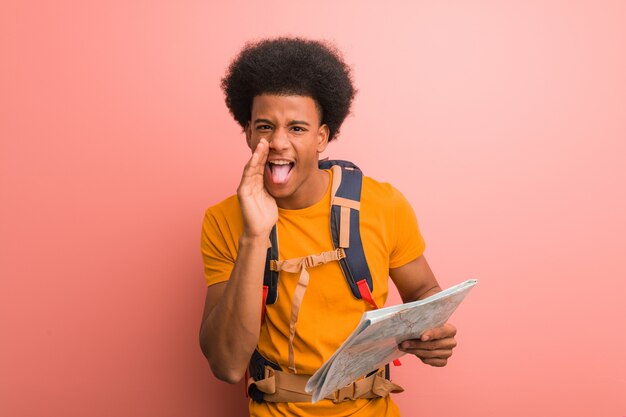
(291, 96)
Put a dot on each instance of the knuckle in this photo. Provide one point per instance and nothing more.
(411, 344)
(435, 362)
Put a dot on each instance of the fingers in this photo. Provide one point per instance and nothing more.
(431, 354)
(447, 330)
(435, 362)
(252, 176)
(417, 344)
(256, 163)
(259, 156)
(434, 347)
(435, 353)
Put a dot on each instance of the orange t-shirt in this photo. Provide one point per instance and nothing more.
(329, 312)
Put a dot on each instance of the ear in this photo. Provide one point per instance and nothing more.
(248, 131)
(322, 135)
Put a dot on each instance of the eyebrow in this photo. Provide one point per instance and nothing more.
(291, 123)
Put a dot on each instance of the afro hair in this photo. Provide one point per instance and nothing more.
(290, 66)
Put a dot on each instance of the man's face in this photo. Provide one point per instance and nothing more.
(291, 125)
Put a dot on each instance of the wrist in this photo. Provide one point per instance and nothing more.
(247, 239)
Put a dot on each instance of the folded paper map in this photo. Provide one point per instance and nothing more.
(375, 340)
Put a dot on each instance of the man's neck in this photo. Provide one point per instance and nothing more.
(307, 196)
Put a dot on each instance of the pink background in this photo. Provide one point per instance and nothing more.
(502, 122)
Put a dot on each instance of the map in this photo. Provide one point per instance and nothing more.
(375, 340)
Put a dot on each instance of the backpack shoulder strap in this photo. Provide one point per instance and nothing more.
(345, 227)
(344, 224)
(270, 277)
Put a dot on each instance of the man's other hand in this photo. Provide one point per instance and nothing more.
(434, 346)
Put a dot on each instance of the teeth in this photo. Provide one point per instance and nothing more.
(280, 162)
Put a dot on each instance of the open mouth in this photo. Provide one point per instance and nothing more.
(279, 170)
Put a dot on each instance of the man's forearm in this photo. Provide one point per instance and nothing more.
(230, 332)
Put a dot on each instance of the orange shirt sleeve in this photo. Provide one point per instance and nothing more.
(216, 245)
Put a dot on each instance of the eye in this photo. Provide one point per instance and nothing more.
(263, 127)
(298, 129)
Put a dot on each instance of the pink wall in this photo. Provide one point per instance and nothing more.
(502, 122)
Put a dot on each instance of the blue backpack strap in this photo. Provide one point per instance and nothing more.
(346, 196)
(345, 224)
(270, 277)
(329, 163)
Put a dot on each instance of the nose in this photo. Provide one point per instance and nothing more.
(279, 140)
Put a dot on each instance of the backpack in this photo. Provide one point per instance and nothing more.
(344, 225)
(348, 251)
